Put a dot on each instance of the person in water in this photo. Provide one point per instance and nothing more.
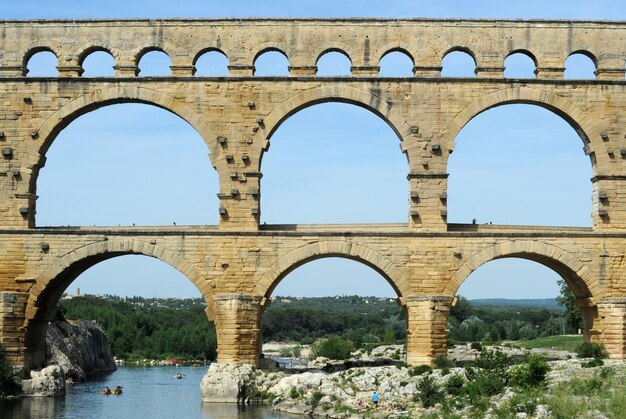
(118, 390)
(107, 391)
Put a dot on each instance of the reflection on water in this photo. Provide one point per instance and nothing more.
(151, 392)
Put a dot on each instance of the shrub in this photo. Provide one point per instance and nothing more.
(488, 376)
(333, 348)
(442, 361)
(290, 352)
(591, 350)
(492, 360)
(428, 392)
(592, 363)
(454, 385)
(420, 369)
(530, 373)
(606, 372)
(481, 382)
(525, 402)
(316, 396)
(477, 346)
(591, 385)
(7, 378)
(401, 364)
(293, 393)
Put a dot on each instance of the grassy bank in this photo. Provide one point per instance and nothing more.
(560, 343)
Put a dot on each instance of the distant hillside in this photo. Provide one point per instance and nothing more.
(550, 303)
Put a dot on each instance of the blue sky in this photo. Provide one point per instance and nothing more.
(158, 167)
(527, 9)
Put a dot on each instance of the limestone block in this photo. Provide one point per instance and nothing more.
(225, 383)
(48, 382)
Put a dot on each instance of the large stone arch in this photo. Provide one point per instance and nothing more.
(573, 115)
(334, 93)
(332, 248)
(573, 270)
(60, 119)
(50, 285)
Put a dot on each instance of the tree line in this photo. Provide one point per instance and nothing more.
(178, 328)
(143, 329)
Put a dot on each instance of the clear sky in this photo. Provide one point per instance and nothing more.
(516, 164)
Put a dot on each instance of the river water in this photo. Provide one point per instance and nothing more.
(149, 392)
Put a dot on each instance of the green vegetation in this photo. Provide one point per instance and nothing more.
(561, 343)
(475, 323)
(428, 392)
(603, 392)
(476, 346)
(371, 321)
(442, 362)
(8, 378)
(530, 373)
(573, 316)
(316, 396)
(361, 320)
(148, 328)
(333, 348)
(178, 328)
(488, 376)
(420, 369)
(591, 350)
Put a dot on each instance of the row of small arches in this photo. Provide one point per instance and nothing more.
(215, 63)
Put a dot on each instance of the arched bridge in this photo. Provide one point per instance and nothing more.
(237, 263)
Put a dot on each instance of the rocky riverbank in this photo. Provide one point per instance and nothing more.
(347, 390)
(73, 351)
(80, 348)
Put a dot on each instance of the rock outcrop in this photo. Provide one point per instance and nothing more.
(50, 381)
(345, 389)
(226, 383)
(80, 348)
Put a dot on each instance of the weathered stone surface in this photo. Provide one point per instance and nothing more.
(49, 381)
(226, 383)
(237, 264)
(80, 348)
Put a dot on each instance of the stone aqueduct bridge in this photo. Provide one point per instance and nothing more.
(237, 264)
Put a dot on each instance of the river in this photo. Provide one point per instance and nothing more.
(149, 392)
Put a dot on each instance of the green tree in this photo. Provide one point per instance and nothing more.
(462, 309)
(7, 378)
(334, 348)
(572, 316)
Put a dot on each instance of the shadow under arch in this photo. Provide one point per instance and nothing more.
(326, 249)
(337, 94)
(50, 285)
(574, 116)
(59, 120)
